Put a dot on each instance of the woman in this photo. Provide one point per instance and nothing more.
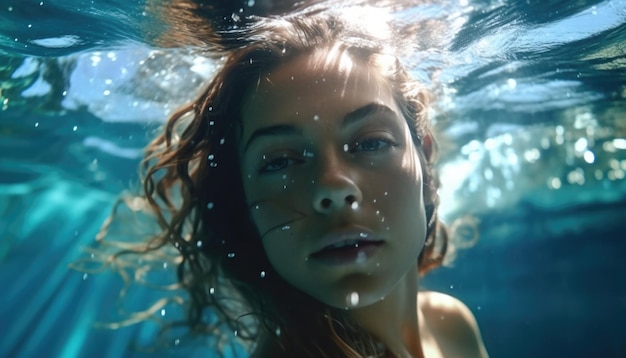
(299, 192)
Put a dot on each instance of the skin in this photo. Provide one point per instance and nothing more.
(325, 149)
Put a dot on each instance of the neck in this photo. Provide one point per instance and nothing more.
(394, 320)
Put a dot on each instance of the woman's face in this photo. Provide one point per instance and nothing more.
(333, 181)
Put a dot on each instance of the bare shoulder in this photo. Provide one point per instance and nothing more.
(453, 324)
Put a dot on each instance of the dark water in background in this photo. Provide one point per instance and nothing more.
(530, 105)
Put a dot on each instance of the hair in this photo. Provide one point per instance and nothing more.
(193, 186)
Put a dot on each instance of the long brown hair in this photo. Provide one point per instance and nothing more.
(192, 184)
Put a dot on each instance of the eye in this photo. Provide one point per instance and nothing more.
(278, 164)
(373, 144)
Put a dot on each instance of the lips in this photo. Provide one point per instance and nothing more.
(353, 245)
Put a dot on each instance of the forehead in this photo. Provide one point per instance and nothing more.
(327, 84)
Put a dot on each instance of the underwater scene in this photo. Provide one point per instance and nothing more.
(529, 104)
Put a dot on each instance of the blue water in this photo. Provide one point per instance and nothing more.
(530, 104)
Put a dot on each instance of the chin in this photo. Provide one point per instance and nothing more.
(355, 296)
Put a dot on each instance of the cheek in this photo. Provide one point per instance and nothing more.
(286, 257)
(275, 205)
(271, 217)
(277, 247)
(402, 208)
(278, 209)
(414, 209)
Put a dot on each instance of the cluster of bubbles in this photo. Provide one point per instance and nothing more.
(506, 167)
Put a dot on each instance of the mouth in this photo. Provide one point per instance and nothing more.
(343, 250)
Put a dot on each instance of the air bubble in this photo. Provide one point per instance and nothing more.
(363, 234)
(163, 312)
(360, 257)
(199, 244)
(512, 83)
(554, 183)
(345, 147)
(222, 141)
(231, 255)
(278, 331)
(355, 205)
(262, 274)
(211, 290)
(316, 117)
(85, 276)
(353, 299)
(211, 157)
(285, 228)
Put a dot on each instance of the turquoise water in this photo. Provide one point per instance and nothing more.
(531, 108)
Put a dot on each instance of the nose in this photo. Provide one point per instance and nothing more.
(336, 190)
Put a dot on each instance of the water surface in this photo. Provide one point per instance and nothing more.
(530, 107)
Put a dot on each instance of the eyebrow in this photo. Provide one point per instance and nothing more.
(365, 112)
(349, 119)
